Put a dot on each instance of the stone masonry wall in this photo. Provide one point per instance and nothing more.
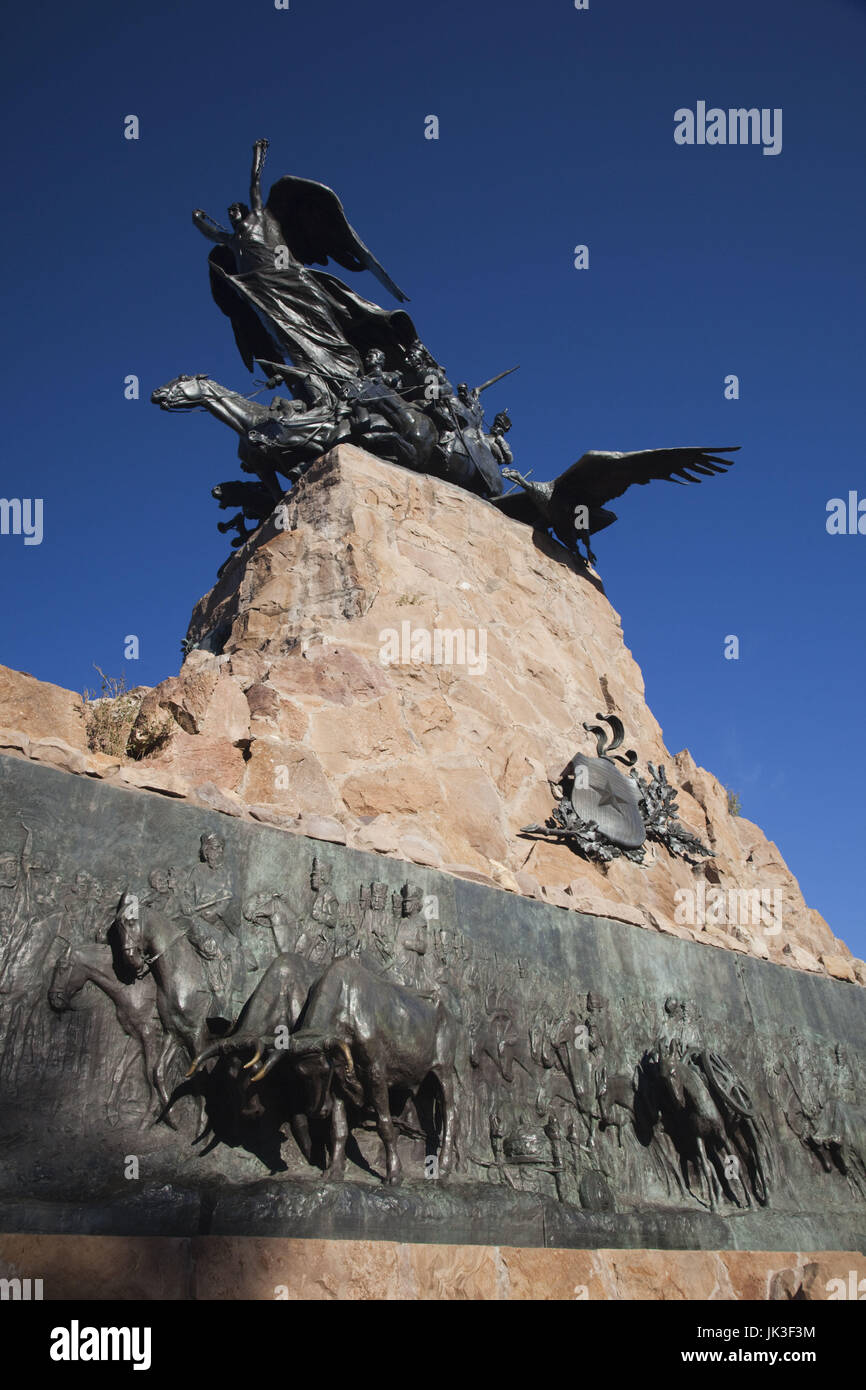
(292, 718)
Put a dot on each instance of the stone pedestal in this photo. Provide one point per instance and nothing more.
(385, 682)
(231, 1268)
(291, 711)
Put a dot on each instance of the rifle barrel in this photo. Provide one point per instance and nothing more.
(493, 380)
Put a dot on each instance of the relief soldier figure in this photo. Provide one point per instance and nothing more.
(207, 900)
(376, 926)
(85, 909)
(324, 934)
(411, 941)
(16, 891)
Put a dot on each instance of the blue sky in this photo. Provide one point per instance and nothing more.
(556, 129)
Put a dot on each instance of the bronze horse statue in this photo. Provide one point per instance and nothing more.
(150, 943)
(134, 1004)
(287, 436)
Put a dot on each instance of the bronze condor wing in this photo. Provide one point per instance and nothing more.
(598, 477)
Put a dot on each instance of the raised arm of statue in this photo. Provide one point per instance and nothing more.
(211, 229)
(260, 150)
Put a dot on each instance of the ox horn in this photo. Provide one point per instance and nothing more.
(269, 1064)
(298, 1045)
(203, 1057)
(254, 1060)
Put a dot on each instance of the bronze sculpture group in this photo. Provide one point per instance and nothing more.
(290, 1027)
(358, 1025)
(359, 373)
(372, 1017)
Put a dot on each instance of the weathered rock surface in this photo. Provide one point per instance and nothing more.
(238, 1267)
(41, 710)
(289, 712)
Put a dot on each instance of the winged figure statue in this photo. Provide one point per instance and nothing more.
(359, 373)
(281, 310)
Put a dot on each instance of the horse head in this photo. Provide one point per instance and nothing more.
(262, 907)
(130, 937)
(183, 393)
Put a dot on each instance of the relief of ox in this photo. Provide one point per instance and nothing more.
(276, 1002)
(275, 1005)
(362, 1035)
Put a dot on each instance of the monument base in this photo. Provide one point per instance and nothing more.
(248, 1268)
(454, 1214)
(581, 1051)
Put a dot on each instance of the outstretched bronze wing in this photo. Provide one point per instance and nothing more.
(251, 336)
(520, 506)
(597, 477)
(316, 228)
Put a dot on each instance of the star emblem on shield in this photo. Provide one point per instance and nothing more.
(603, 814)
(602, 794)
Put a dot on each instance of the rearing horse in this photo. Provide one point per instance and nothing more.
(150, 942)
(134, 1005)
(287, 436)
(238, 412)
(292, 434)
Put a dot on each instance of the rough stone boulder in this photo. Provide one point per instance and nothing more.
(305, 704)
(41, 710)
(438, 762)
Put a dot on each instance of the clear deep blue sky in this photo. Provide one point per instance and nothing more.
(556, 128)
